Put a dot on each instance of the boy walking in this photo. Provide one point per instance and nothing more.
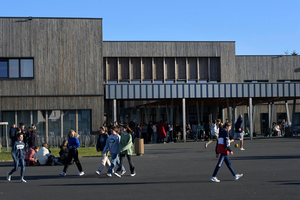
(18, 155)
(222, 150)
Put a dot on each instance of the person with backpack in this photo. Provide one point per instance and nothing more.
(222, 151)
(18, 155)
(101, 142)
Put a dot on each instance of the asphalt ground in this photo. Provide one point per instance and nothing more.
(171, 171)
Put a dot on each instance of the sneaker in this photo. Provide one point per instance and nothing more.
(117, 174)
(62, 174)
(242, 149)
(133, 174)
(8, 177)
(215, 179)
(205, 145)
(237, 176)
(98, 172)
(80, 173)
(109, 175)
(123, 172)
(22, 180)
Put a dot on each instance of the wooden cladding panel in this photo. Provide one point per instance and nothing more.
(67, 55)
(124, 66)
(136, 68)
(158, 65)
(170, 68)
(181, 63)
(203, 68)
(112, 71)
(192, 62)
(215, 69)
(147, 67)
(272, 68)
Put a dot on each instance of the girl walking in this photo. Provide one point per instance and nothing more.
(74, 144)
(125, 149)
(18, 155)
(101, 142)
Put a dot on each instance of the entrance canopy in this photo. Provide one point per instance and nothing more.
(260, 92)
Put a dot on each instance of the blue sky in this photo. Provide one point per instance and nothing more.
(259, 27)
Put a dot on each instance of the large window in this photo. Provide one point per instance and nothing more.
(16, 68)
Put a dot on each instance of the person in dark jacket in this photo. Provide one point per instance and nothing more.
(101, 142)
(239, 131)
(32, 136)
(12, 134)
(222, 150)
(25, 135)
(18, 155)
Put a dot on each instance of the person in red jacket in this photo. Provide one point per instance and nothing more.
(223, 149)
(161, 132)
(29, 155)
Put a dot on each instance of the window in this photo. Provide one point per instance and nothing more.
(16, 68)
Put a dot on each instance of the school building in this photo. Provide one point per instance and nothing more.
(59, 74)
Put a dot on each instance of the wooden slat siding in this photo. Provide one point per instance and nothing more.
(203, 68)
(181, 62)
(67, 61)
(136, 68)
(147, 65)
(66, 53)
(271, 68)
(124, 66)
(113, 69)
(215, 69)
(170, 67)
(193, 68)
(158, 62)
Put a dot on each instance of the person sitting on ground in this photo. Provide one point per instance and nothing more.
(63, 153)
(43, 154)
(29, 156)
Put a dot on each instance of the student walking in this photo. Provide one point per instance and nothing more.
(74, 144)
(101, 142)
(112, 143)
(222, 150)
(125, 149)
(18, 155)
(214, 133)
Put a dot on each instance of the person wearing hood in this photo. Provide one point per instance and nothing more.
(239, 131)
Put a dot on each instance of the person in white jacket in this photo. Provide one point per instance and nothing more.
(43, 154)
(214, 133)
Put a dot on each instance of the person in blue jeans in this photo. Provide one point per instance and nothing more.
(18, 155)
(223, 149)
(112, 143)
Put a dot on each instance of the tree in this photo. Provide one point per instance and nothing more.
(294, 53)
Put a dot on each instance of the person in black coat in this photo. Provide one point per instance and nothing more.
(32, 136)
(63, 153)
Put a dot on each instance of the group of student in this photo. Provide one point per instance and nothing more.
(119, 143)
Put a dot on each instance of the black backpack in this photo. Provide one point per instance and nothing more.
(50, 161)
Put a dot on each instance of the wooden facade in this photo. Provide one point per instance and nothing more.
(68, 64)
(169, 61)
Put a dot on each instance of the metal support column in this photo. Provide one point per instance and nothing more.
(293, 117)
(287, 112)
(271, 120)
(183, 120)
(234, 117)
(202, 108)
(198, 114)
(114, 110)
(250, 118)
(228, 110)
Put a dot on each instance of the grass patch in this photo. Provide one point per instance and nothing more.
(83, 152)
